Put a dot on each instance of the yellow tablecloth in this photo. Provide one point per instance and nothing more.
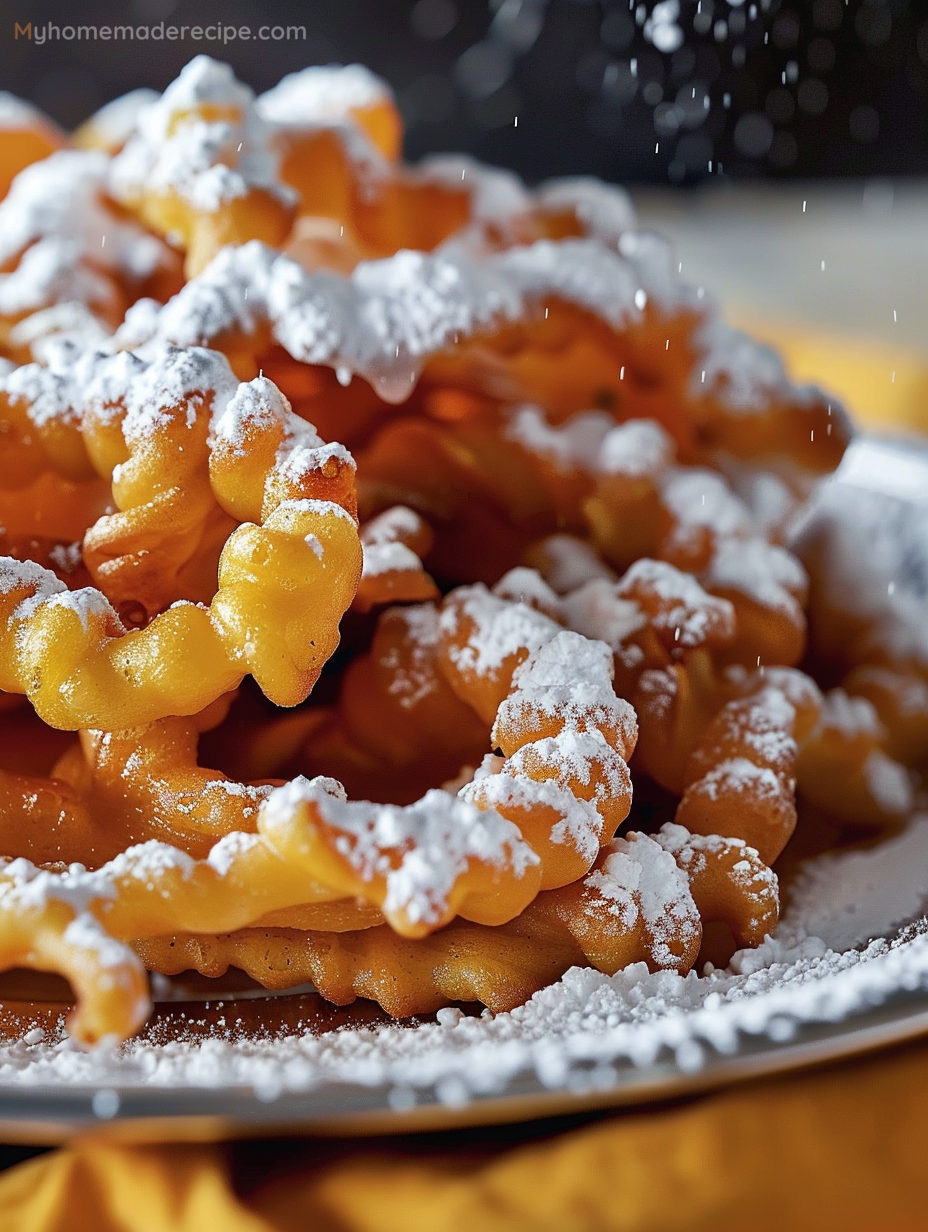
(837, 1150)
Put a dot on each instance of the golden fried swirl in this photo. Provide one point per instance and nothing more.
(189, 452)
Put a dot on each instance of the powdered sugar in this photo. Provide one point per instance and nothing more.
(15, 113)
(863, 540)
(604, 210)
(386, 318)
(576, 822)
(739, 777)
(568, 680)
(420, 850)
(55, 219)
(88, 604)
(382, 540)
(889, 784)
(639, 876)
(685, 606)
(323, 94)
(203, 139)
(763, 571)
(414, 680)
(700, 499)
(636, 448)
(500, 629)
(498, 199)
(743, 374)
(568, 563)
(116, 121)
(849, 715)
(575, 443)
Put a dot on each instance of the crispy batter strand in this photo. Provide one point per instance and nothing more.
(646, 901)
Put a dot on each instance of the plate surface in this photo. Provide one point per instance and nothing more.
(49, 1114)
(846, 972)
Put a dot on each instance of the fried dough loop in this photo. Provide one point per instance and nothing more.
(645, 902)
(192, 458)
(641, 903)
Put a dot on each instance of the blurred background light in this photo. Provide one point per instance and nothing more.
(647, 91)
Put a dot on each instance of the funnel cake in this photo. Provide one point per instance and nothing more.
(429, 672)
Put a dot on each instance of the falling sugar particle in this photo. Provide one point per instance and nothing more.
(515, 122)
(341, 230)
(812, 435)
(547, 310)
(804, 207)
(703, 379)
(891, 588)
(463, 173)
(667, 345)
(246, 293)
(893, 378)
(703, 498)
(823, 267)
(103, 242)
(622, 373)
(239, 150)
(895, 319)
(657, 147)
(676, 634)
(105, 1104)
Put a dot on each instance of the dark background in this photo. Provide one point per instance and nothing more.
(823, 88)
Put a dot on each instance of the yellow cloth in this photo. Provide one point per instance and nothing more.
(880, 384)
(840, 1150)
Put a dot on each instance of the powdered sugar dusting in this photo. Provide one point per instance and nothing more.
(639, 876)
(388, 316)
(420, 850)
(16, 113)
(54, 218)
(502, 629)
(203, 139)
(323, 94)
(383, 542)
